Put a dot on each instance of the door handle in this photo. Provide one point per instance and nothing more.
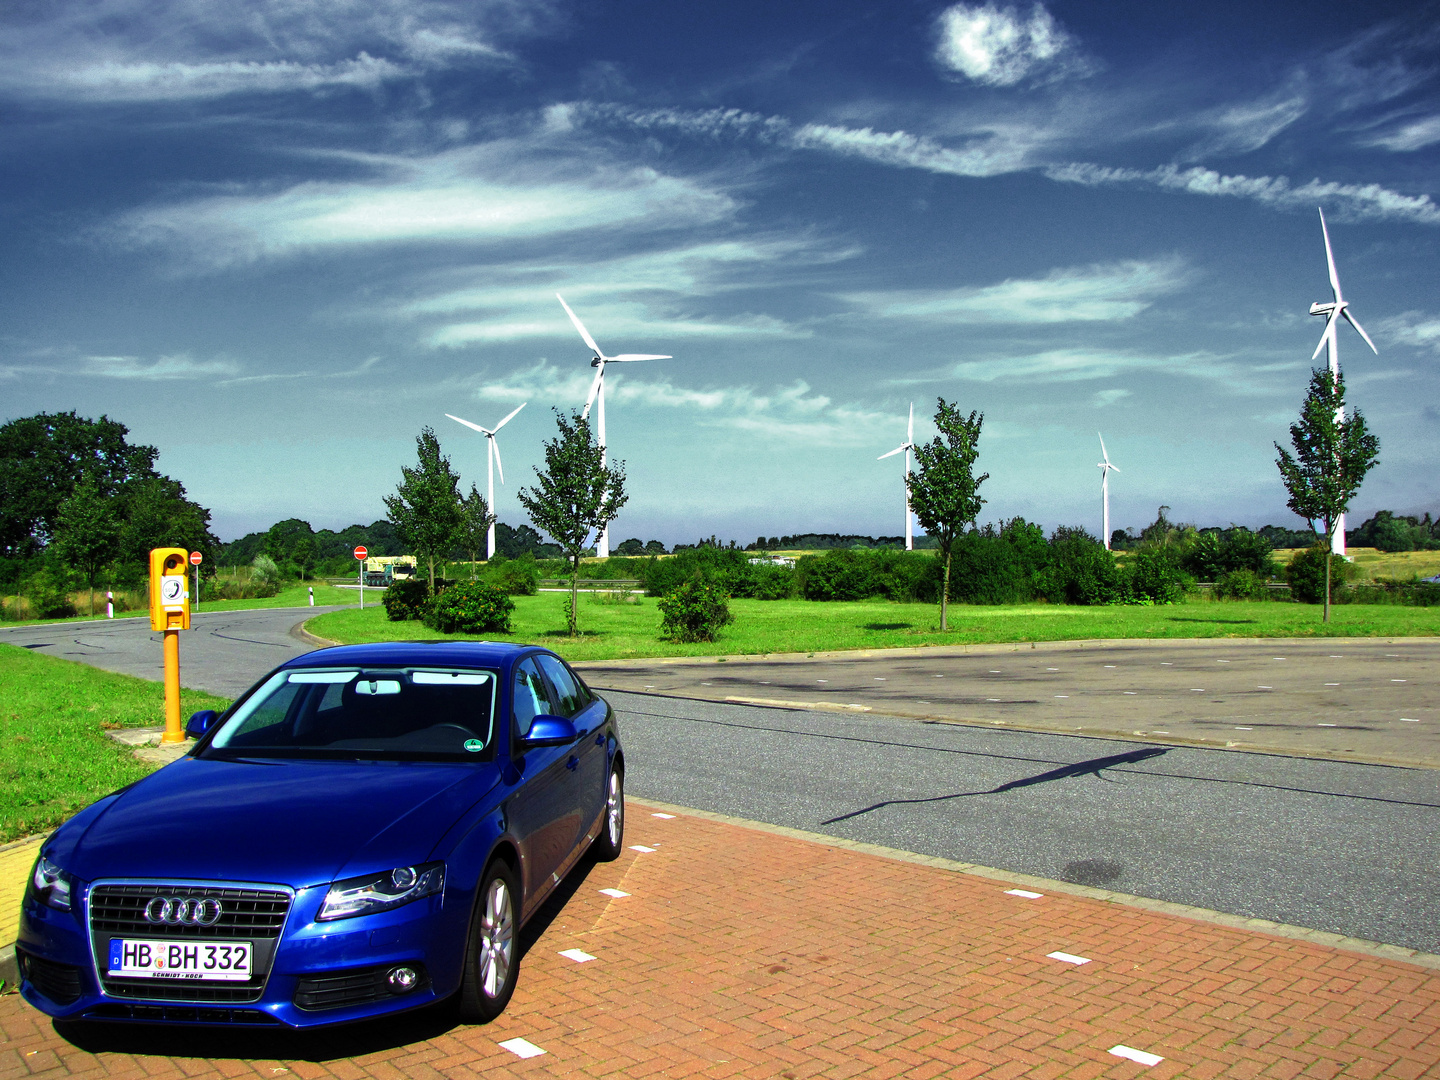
(573, 764)
(600, 739)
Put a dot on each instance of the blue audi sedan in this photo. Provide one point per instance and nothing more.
(365, 831)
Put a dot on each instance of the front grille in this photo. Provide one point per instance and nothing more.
(253, 914)
(181, 1014)
(58, 982)
(358, 986)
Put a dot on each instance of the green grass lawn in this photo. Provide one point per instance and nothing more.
(292, 595)
(612, 631)
(55, 757)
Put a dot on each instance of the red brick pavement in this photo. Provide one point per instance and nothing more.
(742, 953)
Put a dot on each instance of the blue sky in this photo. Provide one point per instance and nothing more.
(276, 238)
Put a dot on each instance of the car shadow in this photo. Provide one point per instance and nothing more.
(330, 1044)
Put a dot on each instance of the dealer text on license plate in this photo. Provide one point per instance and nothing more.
(180, 959)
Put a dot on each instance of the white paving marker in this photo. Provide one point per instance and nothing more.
(577, 955)
(1334, 657)
(994, 671)
(522, 1048)
(1397, 680)
(1166, 663)
(822, 680)
(1265, 688)
(922, 703)
(1324, 725)
(667, 817)
(994, 699)
(1052, 669)
(1157, 731)
(1244, 729)
(615, 894)
(1062, 695)
(1197, 689)
(1139, 1056)
(1026, 893)
(1068, 958)
(1408, 720)
(878, 678)
(1109, 665)
(1332, 684)
(641, 847)
(1132, 693)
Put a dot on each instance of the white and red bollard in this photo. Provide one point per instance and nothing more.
(109, 604)
(312, 595)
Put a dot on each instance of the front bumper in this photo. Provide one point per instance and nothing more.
(318, 973)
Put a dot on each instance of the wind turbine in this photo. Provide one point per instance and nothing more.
(907, 446)
(494, 454)
(597, 389)
(1333, 312)
(1105, 470)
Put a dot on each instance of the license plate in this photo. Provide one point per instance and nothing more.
(140, 959)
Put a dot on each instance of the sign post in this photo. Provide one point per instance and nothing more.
(360, 554)
(195, 560)
(170, 613)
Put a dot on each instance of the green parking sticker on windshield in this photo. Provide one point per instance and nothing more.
(474, 745)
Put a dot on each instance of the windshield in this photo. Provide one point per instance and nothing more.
(409, 713)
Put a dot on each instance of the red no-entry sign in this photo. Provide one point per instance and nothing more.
(361, 552)
(196, 558)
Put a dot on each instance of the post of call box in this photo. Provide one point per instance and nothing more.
(170, 613)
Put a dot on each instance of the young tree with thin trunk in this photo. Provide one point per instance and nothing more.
(1332, 456)
(943, 487)
(87, 532)
(478, 520)
(577, 495)
(426, 507)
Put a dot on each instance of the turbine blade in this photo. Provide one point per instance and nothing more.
(580, 326)
(910, 430)
(1115, 468)
(507, 419)
(495, 448)
(1102, 449)
(892, 453)
(1352, 321)
(594, 389)
(1325, 336)
(627, 357)
(1330, 261)
(468, 424)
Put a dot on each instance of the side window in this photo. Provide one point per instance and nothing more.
(571, 697)
(531, 699)
(266, 725)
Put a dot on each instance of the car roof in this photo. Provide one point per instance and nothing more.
(492, 654)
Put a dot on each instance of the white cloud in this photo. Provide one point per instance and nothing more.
(1349, 201)
(163, 50)
(1109, 397)
(988, 156)
(1413, 328)
(1081, 364)
(999, 46)
(1408, 137)
(1241, 128)
(1077, 294)
(463, 195)
(162, 369)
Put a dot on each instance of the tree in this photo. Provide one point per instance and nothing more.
(476, 528)
(157, 514)
(292, 541)
(943, 487)
(1332, 456)
(87, 532)
(426, 505)
(577, 494)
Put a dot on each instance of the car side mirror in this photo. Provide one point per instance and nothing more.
(548, 730)
(200, 723)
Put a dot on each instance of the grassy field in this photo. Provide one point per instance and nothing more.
(292, 595)
(55, 757)
(1373, 564)
(611, 631)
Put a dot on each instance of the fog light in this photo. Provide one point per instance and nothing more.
(401, 980)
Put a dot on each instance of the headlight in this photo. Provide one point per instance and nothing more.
(51, 884)
(381, 892)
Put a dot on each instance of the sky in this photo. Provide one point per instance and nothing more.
(277, 238)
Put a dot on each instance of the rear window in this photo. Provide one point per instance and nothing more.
(410, 713)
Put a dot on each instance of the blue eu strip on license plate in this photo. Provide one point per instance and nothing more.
(144, 959)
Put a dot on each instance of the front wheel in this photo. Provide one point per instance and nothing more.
(611, 840)
(492, 960)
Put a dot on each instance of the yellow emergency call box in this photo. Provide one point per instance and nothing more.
(169, 594)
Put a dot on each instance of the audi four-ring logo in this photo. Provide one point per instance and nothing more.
(186, 911)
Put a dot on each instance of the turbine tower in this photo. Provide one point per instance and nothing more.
(907, 446)
(1105, 470)
(494, 455)
(1333, 311)
(597, 389)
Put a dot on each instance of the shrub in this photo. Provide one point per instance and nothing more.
(987, 570)
(694, 610)
(727, 568)
(1241, 585)
(773, 583)
(517, 577)
(1155, 576)
(235, 589)
(468, 607)
(1081, 571)
(264, 571)
(1306, 574)
(48, 595)
(406, 600)
(857, 574)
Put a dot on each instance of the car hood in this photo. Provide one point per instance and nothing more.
(291, 822)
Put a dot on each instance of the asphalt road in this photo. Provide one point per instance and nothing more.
(1333, 845)
(1337, 846)
(223, 652)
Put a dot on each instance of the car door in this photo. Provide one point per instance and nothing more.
(544, 811)
(588, 715)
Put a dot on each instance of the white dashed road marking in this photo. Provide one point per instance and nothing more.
(523, 1048)
(615, 894)
(577, 955)
(1139, 1056)
(1068, 958)
(1026, 893)
(641, 847)
(666, 817)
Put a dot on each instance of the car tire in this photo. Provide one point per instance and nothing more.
(611, 841)
(492, 953)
